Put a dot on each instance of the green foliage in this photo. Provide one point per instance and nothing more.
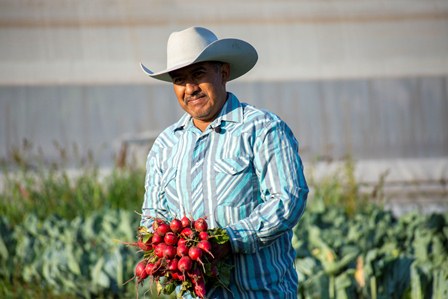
(125, 188)
(347, 250)
(53, 191)
(341, 191)
(79, 258)
(57, 234)
(31, 183)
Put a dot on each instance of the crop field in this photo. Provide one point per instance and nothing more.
(60, 238)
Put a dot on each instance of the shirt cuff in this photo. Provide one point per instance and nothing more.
(243, 238)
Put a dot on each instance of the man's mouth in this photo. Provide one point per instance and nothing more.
(195, 99)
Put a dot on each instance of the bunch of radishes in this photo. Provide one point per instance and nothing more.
(179, 252)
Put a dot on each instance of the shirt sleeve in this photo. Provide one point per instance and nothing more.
(283, 189)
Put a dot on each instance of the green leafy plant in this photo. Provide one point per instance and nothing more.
(360, 250)
(57, 233)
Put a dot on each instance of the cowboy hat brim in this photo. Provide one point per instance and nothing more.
(240, 55)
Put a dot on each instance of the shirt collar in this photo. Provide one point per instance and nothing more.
(232, 111)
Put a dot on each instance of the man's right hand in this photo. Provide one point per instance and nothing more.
(221, 251)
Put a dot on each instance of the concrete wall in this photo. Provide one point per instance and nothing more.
(364, 78)
(103, 41)
(365, 118)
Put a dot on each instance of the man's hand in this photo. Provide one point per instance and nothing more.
(221, 251)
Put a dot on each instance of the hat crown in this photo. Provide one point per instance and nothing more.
(198, 44)
(184, 46)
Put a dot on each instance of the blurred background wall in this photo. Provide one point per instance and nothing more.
(362, 79)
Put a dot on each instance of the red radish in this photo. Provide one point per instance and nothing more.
(185, 222)
(178, 276)
(184, 264)
(169, 251)
(206, 246)
(195, 274)
(172, 265)
(199, 288)
(162, 229)
(151, 268)
(182, 241)
(176, 225)
(145, 246)
(200, 225)
(195, 253)
(170, 238)
(140, 270)
(156, 223)
(196, 277)
(156, 239)
(187, 233)
(159, 250)
(203, 235)
(182, 250)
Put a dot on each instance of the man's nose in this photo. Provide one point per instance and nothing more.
(191, 87)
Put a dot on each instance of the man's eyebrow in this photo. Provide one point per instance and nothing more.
(198, 68)
(176, 73)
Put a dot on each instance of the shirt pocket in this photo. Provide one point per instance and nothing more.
(232, 166)
(234, 181)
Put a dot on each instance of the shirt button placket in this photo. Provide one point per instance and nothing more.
(197, 165)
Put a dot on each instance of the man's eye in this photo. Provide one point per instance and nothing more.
(178, 81)
(199, 73)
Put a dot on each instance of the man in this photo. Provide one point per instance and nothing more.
(226, 160)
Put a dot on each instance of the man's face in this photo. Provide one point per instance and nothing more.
(201, 90)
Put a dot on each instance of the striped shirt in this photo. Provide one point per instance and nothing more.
(243, 173)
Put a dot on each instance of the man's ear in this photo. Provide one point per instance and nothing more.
(225, 72)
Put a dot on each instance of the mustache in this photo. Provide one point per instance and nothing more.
(194, 95)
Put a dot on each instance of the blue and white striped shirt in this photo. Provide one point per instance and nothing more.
(251, 183)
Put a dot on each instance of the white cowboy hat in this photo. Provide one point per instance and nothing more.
(197, 44)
